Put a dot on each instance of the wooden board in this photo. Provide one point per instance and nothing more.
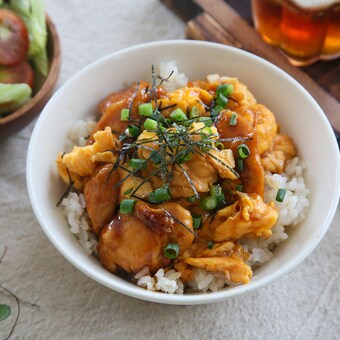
(218, 21)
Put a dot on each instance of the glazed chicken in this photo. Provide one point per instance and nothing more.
(135, 241)
(111, 106)
(252, 176)
(101, 196)
(128, 243)
(175, 180)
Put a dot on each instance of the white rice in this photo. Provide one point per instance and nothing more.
(75, 212)
(168, 282)
(292, 211)
(79, 132)
(204, 281)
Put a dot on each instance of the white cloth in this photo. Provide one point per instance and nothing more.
(302, 305)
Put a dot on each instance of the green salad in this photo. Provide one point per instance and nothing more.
(23, 52)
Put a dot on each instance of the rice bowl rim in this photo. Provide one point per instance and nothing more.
(117, 284)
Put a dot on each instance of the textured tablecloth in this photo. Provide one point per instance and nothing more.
(302, 305)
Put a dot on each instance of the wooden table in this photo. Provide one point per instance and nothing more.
(229, 22)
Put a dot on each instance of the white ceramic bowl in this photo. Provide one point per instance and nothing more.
(299, 115)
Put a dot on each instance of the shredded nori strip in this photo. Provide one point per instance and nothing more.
(69, 188)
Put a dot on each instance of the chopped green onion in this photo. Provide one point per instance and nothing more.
(127, 206)
(187, 123)
(206, 120)
(221, 202)
(239, 187)
(171, 251)
(150, 124)
(155, 157)
(233, 119)
(159, 195)
(157, 116)
(208, 203)
(185, 157)
(125, 114)
(210, 244)
(191, 199)
(219, 145)
(225, 89)
(207, 130)
(138, 164)
(217, 109)
(178, 115)
(128, 191)
(194, 112)
(133, 130)
(145, 109)
(281, 193)
(240, 164)
(221, 100)
(216, 190)
(243, 151)
(196, 221)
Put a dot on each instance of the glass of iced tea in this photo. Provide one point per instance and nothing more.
(305, 30)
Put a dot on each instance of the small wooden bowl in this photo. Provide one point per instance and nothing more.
(21, 117)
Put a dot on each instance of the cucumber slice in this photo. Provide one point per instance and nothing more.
(13, 96)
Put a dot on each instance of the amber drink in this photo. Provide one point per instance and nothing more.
(305, 30)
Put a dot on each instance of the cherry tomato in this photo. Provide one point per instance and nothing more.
(13, 38)
(19, 73)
